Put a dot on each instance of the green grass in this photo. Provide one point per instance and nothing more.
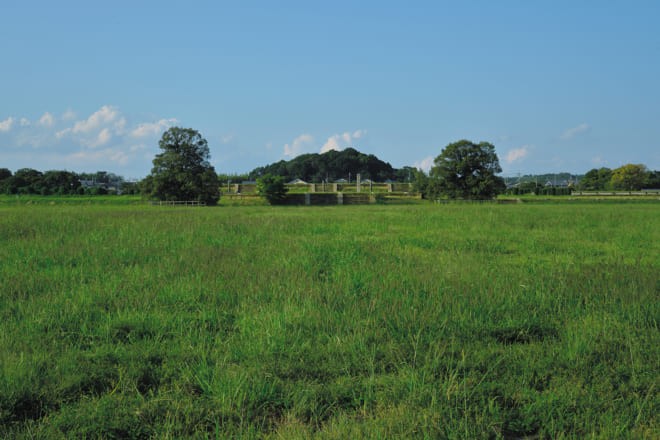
(416, 321)
(34, 199)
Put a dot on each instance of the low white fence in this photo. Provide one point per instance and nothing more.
(177, 203)
(616, 193)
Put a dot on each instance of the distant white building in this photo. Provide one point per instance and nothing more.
(341, 181)
(297, 182)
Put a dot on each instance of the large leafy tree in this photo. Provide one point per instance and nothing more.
(465, 170)
(596, 179)
(629, 177)
(182, 170)
(61, 182)
(24, 181)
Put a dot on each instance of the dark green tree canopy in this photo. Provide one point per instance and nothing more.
(183, 171)
(652, 180)
(272, 188)
(331, 165)
(421, 183)
(405, 174)
(29, 181)
(24, 181)
(596, 179)
(61, 179)
(5, 173)
(465, 170)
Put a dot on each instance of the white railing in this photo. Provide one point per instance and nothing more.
(616, 193)
(177, 203)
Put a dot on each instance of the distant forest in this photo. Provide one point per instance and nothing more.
(30, 181)
(334, 165)
(329, 167)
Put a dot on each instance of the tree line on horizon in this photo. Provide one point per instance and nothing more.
(629, 177)
(183, 172)
(60, 182)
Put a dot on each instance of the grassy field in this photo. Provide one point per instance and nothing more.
(120, 320)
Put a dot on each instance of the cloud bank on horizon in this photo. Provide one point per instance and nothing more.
(103, 140)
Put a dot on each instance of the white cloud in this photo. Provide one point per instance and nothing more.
(298, 145)
(598, 161)
(571, 132)
(359, 133)
(119, 157)
(119, 125)
(138, 147)
(47, 120)
(340, 141)
(103, 137)
(100, 156)
(269, 145)
(6, 125)
(425, 164)
(331, 144)
(517, 154)
(93, 141)
(153, 128)
(106, 115)
(227, 139)
(97, 130)
(61, 134)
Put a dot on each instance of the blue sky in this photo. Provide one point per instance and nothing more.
(555, 86)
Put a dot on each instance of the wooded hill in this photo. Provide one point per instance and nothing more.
(333, 165)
